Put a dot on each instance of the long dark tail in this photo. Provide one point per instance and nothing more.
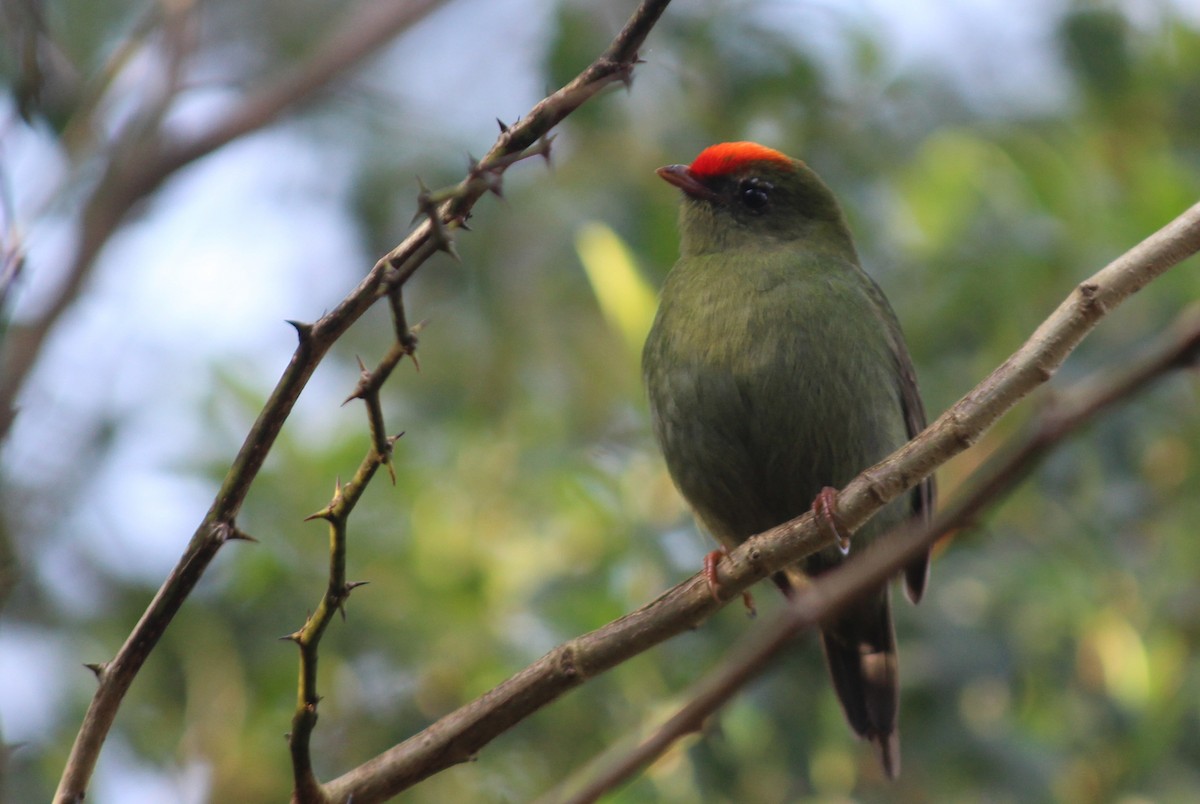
(860, 648)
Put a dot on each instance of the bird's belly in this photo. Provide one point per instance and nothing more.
(751, 441)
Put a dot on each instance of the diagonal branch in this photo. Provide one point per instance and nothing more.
(462, 733)
(115, 677)
(1078, 406)
(145, 159)
(373, 25)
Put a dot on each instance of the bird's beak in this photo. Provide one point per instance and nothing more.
(683, 178)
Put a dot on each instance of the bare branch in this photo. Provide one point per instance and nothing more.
(371, 27)
(461, 734)
(145, 159)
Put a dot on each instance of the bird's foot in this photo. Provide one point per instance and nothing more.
(714, 583)
(825, 510)
(710, 571)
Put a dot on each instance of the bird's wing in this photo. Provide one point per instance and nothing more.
(924, 495)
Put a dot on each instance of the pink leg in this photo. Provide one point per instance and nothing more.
(714, 583)
(825, 510)
(710, 571)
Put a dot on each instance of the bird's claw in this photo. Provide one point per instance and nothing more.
(710, 571)
(714, 583)
(825, 510)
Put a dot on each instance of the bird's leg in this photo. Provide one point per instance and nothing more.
(711, 560)
(714, 583)
(825, 510)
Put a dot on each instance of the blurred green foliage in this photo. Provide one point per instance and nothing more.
(1057, 656)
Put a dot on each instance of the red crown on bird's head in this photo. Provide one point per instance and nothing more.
(730, 157)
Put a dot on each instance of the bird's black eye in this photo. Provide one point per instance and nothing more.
(755, 194)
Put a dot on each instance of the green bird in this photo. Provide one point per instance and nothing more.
(776, 371)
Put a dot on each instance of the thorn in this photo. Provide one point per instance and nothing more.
(228, 532)
(409, 342)
(292, 637)
(393, 439)
(545, 143)
(97, 669)
(406, 335)
(503, 128)
(325, 513)
(364, 382)
(427, 208)
(627, 75)
(349, 587)
(424, 199)
(495, 184)
(303, 331)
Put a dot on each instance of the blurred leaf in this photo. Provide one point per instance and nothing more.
(625, 299)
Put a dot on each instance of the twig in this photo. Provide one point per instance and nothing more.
(306, 787)
(308, 638)
(461, 734)
(615, 64)
(988, 486)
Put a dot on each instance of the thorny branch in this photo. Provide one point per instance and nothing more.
(307, 788)
(308, 638)
(529, 136)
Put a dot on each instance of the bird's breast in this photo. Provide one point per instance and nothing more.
(765, 388)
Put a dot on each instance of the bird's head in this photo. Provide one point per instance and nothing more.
(739, 194)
